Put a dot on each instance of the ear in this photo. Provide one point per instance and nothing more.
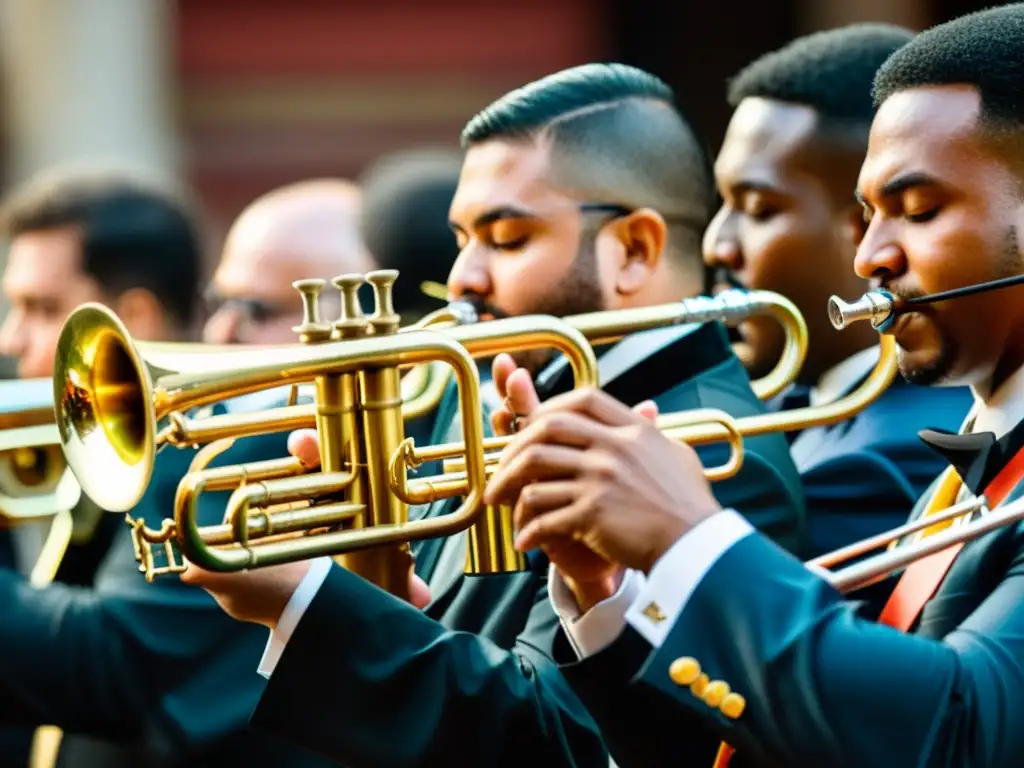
(142, 314)
(643, 236)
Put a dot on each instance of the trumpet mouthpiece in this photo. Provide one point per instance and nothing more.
(875, 306)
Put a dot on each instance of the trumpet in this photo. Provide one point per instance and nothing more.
(35, 482)
(111, 395)
(110, 398)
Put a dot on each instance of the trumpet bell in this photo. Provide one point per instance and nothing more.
(103, 393)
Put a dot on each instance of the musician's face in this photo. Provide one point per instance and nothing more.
(945, 210)
(43, 283)
(524, 246)
(788, 222)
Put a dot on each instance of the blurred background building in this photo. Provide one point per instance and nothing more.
(236, 97)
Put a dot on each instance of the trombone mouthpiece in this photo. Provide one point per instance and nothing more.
(875, 306)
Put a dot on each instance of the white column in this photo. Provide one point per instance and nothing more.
(88, 81)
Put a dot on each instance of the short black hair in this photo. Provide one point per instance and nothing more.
(134, 233)
(984, 49)
(616, 133)
(403, 223)
(831, 72)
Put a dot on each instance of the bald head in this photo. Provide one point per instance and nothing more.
(308, 229)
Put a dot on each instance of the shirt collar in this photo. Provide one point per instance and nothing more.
(999, 411)
(844, 376)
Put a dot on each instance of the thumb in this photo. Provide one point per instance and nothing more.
(522, 395)
(303, 445)
(419, 592)
(648, 409)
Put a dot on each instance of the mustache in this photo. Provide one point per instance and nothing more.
(901, 294)
(483, 307)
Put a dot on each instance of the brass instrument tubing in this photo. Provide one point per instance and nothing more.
(870, 570)
(864, 546)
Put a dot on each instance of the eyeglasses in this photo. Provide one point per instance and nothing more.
(256, 311)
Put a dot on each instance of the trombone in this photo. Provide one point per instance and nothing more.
(785, 312)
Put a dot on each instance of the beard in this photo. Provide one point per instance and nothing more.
(939, 370)
(577, 292)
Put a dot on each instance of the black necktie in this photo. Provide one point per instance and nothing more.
(977, 457)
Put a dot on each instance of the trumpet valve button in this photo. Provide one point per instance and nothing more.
(351, 321)
(312, 329)
(384, 320)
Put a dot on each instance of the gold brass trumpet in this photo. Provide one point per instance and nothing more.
(35, 482)
(111, 397)
(109, 401)
(487, 545)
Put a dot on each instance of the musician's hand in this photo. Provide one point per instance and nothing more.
(591, 470)
(261, 595)
(518, 396)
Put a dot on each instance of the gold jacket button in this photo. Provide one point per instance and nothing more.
(698, 686)
(732, 706)
(714, 693)
(684, 671)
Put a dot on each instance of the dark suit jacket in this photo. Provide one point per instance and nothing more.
(470, 681)
(135, 673)
(824, 684)
(862, 476)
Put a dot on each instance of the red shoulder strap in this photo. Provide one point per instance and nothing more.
(921, 579)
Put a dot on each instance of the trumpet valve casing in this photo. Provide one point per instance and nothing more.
(490, 544)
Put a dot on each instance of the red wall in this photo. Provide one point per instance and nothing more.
(272, 91)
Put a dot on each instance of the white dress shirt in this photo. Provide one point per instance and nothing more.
(651, 606)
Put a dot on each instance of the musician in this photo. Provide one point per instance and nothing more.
(133, 673)
(810, 678)
(301, 230)
(788, 223)
(564, 205)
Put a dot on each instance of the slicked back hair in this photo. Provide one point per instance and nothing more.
(616, 136)
(832, 72)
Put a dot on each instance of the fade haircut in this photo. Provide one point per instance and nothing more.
(984, 49)
(134, 233)
(616, 137)
(831, 72)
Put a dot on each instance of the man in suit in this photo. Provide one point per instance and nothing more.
(727, 636)
(582, 191)
(133, 673)
(789, 223)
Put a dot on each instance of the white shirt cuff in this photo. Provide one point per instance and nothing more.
(293, 613)
(598, 627)
(680, 570)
